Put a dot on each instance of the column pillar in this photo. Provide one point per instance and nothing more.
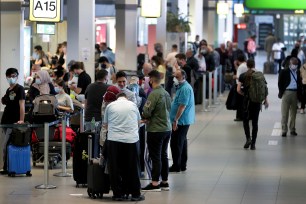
(12, 41)
(161, 27)
(210, 22)
(196, 19)
(126, 34)
(81, 33)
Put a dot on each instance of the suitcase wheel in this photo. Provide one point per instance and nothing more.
(12, 174)
(29, 174)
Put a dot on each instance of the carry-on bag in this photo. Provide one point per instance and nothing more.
(98, 182)
(19, 160)
(80, 158)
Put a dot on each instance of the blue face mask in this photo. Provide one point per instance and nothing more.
(12, 80)
(38, 81)
(57, 89)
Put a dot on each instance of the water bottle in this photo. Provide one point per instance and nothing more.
(93, 125)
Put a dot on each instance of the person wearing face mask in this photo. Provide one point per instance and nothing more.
(109, 68)
(289, 84)
(14, 111)
(182, 115)
(41, 85)
(83, 78)
(156, 111)
(63, 99)
(121, 80)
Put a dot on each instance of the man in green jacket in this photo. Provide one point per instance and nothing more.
(157, 113)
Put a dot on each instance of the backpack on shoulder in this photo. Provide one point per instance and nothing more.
(257, 87)
(45, 108)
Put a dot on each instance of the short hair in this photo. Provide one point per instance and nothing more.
(11, 71)
(101, 74)
(183, 73)
(181, 56)
(241, 57)
(174, 46)
(64, 43)
(72, 62)
(38, 47)
(294, 60)
(155, 75)
(103, 59)
(120, 74)
(121, 94)
(77, 65)
(250, 63)
(103, 43)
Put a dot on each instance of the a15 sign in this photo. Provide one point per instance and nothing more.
(46, 10)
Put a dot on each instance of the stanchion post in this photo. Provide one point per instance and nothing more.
(204, 105)
(46, 184)
(64, 168)
(220, 80)
(82, 113)
(210, 90)
(215, 102)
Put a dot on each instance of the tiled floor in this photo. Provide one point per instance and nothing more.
(219, 171)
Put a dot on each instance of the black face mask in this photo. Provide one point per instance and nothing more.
(150, 84)
(103, 66)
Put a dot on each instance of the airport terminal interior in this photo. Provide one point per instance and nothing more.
(219, 169)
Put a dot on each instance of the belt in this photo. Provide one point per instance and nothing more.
(291, 89)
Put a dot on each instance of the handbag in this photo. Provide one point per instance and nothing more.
(231, 102)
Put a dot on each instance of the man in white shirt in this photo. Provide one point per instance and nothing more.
(171, 61)
(122, 120)
(277, 50)
(242, 68)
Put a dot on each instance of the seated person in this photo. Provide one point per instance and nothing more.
(63, 99)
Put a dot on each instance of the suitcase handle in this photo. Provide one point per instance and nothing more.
(89, 148)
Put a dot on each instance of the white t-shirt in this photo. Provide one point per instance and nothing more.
(277, 49)
(122, 117)
(241, 69)
(171, 60)
(64, 100)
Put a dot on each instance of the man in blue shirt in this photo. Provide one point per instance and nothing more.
(182, 115)
(107, 52)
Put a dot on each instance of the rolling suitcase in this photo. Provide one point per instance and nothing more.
(80, 158)
(270, 68)
(98, 182)
(19, 160)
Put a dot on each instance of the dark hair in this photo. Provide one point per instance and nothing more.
(250, 63)
(160, 54)
(174, 46)
(181, 56)
(154, 74)
(97, 46)
(64, 43)
(203, 42)
(77, 65)
(54, 60)
(11, 71)
(103, 43)
(183, 74)
(59, 46)
(241, 57)
(103, 59)
(72, 62)
(159, 60)
(121, 94)
(101, 74)
(59, 71)
(38, 47)
(120, 74)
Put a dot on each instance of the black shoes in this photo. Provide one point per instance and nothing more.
(253, 147)
(174, 170)
(124, 198)
(247, 144)
(284, 134)
(3, 172)
(164, 186)
(237, 119)
(293, 133)
(151, 188)
(138, 198)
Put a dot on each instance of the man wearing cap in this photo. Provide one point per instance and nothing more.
(156, 111)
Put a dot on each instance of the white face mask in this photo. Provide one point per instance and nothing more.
(176, 81)
(12, 80)
(293, 67)
(38, 81)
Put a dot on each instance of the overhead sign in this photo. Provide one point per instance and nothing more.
(46, 29)
(150, 9)
(276, 4)
(46, 10)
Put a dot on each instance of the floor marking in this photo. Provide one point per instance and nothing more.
(76, 194)
(273, 142)
(276, 132)
(277, 125)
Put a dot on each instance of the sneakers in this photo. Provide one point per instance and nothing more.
(164, 186)
(253, 147)
(284, 134)
(151, 188)
(293, 133)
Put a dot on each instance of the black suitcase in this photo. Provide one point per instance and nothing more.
(80, 158)
(98, 182)
(270, 68)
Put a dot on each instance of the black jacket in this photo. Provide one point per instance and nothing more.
(284, 79)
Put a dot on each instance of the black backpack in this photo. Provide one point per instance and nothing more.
(45, 108)
(21, 136)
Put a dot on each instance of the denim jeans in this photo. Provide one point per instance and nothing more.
(158, 146)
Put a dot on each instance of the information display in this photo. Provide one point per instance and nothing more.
(46, 29)
(46, 10)
(276, 4)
